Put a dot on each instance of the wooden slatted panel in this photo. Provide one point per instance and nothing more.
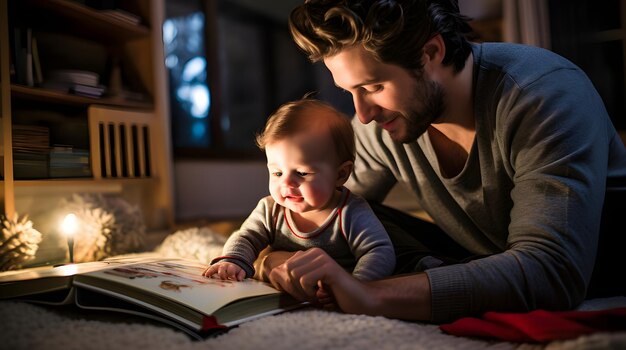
(115, 131)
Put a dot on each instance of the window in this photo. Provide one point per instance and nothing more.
(185, 59)
(230, 66)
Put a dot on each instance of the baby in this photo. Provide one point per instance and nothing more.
(310, 153)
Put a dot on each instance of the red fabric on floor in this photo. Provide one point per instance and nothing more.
(538, 325)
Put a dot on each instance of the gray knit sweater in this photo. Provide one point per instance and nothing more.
(530, 194)
(352, 235)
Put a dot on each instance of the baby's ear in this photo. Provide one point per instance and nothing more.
(343, 172)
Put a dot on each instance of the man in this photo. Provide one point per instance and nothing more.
(508, 148)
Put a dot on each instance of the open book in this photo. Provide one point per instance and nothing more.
(172, 291)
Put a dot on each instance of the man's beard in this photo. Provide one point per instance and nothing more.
(431, 94)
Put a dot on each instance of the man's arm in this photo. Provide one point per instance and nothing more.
(403, 297)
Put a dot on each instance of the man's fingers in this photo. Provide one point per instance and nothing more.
(306, 279)
(302, 274)
(281, 278)
(308, 283)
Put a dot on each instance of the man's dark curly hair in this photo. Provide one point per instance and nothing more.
(394, 31)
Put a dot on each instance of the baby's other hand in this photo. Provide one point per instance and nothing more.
(225, 270)
(325, 298)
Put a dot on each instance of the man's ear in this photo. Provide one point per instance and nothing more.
(343, 172)
(434, 50)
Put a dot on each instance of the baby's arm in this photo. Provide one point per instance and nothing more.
(369, 242)
(225, 270)
(243, 246)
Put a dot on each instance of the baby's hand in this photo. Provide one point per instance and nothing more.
(225, 270)
(325, 298)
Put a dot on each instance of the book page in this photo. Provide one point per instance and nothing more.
(69, 269)
(175, 280)
(91, 300)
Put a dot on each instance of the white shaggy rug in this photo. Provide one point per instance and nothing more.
(27, 326)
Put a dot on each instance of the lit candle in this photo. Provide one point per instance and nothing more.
(68, 227)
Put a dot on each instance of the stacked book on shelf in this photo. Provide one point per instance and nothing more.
(31, 147)
(33, 158)
(25, 65)
(122, 16)
(78, 82)
(69, 162)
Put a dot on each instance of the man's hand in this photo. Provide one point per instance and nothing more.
(404, 297)
(302, 273)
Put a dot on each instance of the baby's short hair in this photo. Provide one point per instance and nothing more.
(296, 116)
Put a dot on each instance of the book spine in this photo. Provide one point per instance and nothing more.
(37, 63)
(211, 323)
(30, 81)
(20, 56)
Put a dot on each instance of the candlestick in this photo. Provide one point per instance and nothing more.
(68, 227)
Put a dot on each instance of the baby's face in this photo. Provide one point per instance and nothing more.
(303, 171)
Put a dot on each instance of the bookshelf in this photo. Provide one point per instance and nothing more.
(125, 134)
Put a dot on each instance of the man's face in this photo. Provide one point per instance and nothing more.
(402, 102)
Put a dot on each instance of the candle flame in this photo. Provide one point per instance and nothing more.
(69, 225)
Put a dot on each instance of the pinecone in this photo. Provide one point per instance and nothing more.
(19, 243)
(109, 226)
(93, 241)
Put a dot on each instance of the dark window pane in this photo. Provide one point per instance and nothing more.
(244, 73)
(190, 96)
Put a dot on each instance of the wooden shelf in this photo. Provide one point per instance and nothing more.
(87, 181)
(46, 187)
(74, 17)
(73, 36)
(45, 95)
